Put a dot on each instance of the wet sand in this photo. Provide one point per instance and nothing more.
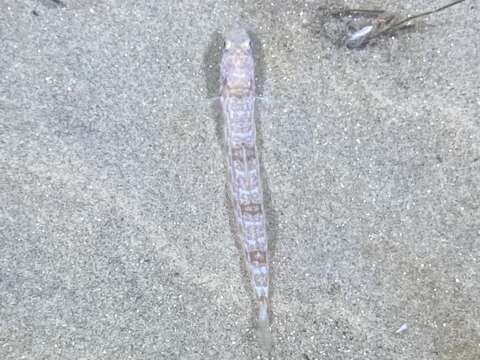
(115, 231)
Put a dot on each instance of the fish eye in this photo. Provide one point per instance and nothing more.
(247, 44)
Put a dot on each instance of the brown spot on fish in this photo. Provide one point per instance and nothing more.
(243, 151)
(251, 209)
(257, 257)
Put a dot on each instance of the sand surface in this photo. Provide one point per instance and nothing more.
(115, 239)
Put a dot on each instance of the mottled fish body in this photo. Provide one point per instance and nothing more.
(237, 97)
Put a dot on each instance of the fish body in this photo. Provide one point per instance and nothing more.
(237, 98)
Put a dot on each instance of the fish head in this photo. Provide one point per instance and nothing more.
(237, 67)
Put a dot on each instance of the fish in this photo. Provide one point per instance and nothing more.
(237, 99)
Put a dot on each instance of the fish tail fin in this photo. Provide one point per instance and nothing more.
(264, 334)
